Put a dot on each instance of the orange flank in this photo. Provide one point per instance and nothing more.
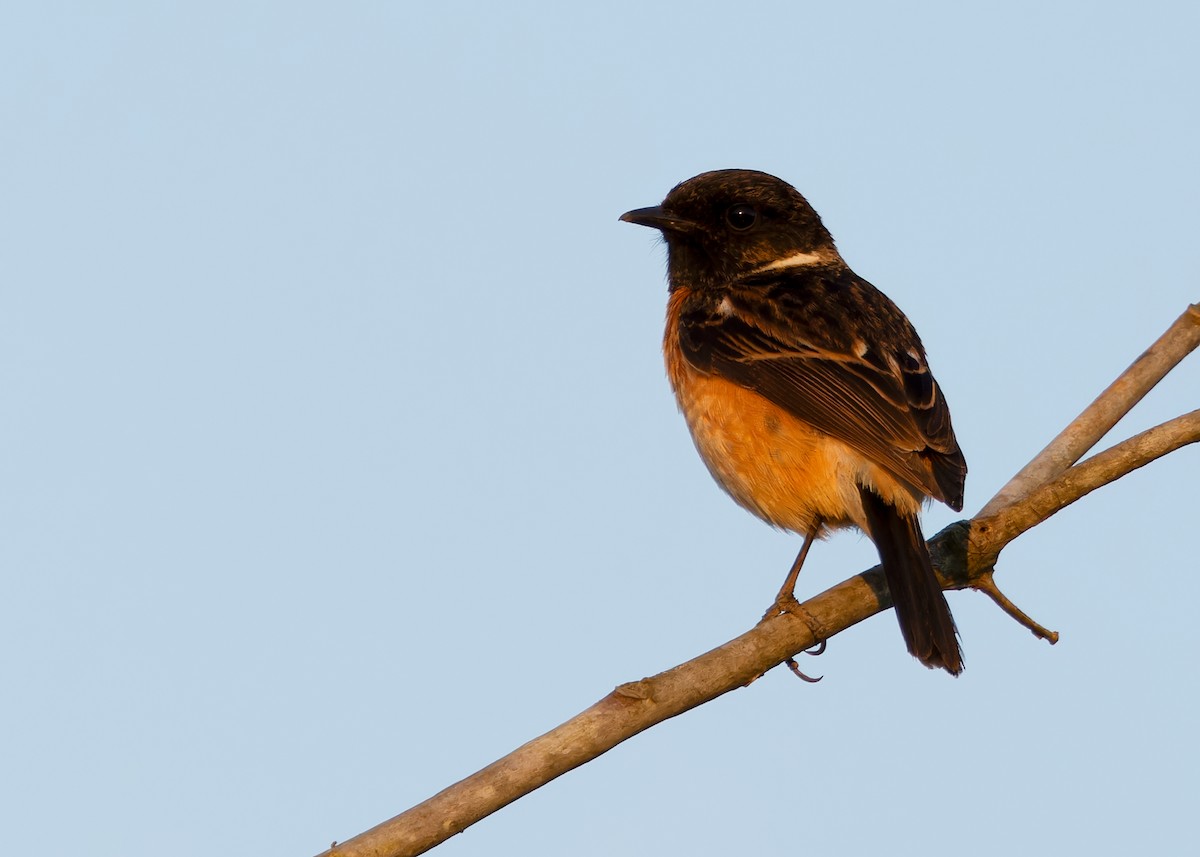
(773, 464)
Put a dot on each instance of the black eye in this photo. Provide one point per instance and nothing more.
(741, 216)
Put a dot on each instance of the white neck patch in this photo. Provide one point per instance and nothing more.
(796, 260)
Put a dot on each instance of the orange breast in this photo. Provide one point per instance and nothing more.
(771, 462)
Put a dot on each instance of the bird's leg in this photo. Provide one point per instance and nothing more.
(785, 601)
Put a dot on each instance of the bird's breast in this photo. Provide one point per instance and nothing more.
(769, 460)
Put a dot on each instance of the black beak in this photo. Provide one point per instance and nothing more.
(655, 217)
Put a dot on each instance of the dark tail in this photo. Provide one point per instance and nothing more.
(921, 608)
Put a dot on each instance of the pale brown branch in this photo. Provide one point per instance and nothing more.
(636, 706)
(989, 536)
(1085, 431)
(964, 555)
(1082, 479)
(625, 712)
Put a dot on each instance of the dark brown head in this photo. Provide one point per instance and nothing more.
(727, 223)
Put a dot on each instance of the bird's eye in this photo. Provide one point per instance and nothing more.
(741, 217)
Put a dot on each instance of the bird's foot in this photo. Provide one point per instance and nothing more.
(785, 602)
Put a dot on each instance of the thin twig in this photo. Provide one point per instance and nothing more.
(1083, 478)
(988, 587)
(1085, 431)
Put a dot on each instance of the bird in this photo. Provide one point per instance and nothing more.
(806, 390)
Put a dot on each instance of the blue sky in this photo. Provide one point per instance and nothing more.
(339, 457)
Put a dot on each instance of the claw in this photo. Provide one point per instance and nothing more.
(795, 668)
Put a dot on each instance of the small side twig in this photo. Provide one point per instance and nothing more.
(985, 584)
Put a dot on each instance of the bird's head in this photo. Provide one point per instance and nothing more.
(725, 224)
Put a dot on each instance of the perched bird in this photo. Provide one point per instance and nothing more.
(805, 388)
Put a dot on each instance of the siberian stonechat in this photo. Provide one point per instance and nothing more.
(805, 388)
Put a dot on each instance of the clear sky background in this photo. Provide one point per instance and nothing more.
(338, 457)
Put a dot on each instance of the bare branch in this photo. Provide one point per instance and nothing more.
(1180, 339)
(964, 555)
(1083, 478)
(628, 710)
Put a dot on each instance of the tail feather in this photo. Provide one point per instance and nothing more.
(921, 608)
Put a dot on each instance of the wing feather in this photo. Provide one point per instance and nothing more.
(834, 351)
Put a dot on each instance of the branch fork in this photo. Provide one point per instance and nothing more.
(964, 554)
(1053, 479)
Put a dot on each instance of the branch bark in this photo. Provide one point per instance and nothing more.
(1086, 430)
(964, 555)
(1046, 499)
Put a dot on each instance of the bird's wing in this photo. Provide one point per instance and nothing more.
(835, 352)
